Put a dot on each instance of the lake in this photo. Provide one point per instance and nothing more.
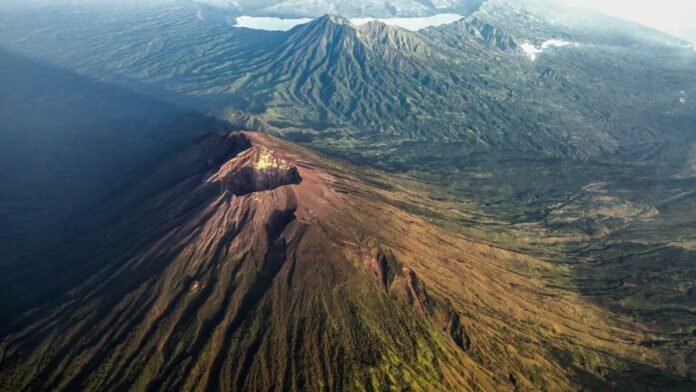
(283, 24)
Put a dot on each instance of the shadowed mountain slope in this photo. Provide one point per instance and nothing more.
(248, 263)
(67, 141)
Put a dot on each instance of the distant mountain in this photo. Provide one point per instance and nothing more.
(544, 19)
(470, 82)
(346, 8)
(486, 32)
(511, 79)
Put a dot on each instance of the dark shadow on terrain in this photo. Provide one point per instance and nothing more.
(67, 143)
(636, 377)
(652, 285)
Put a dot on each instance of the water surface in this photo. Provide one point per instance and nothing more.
(282, 24)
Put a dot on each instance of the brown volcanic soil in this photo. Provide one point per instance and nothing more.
(249, 263)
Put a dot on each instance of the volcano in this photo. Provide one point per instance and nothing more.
(245, 262)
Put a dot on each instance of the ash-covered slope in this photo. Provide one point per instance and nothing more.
(461, 34)
(248, 263)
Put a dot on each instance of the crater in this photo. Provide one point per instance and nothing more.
(255, 170)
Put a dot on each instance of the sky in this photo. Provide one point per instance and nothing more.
(677, 17)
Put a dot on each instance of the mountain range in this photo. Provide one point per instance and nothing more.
(472, 82)
(500, 203)
(373, 8)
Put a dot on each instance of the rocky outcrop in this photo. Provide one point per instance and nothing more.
(255, 170)
(489, 33)
(383, 266)
(403, 283)
(383, 38)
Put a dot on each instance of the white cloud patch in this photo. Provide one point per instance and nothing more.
(531, 50)
(554, 43)
(672, 16)
(534, 51)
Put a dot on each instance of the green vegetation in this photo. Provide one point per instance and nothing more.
(503, 223)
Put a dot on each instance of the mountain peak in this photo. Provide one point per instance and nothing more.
(377, 26)
(329, 19)
(334, 19)
(279, 244)
(256, 169)
(325, 25)
(383, 38)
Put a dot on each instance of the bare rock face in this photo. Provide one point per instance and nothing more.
(255, 170)
(486, 32)
(403, 283)
(471, 29)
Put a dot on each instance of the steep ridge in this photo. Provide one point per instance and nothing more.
(468, 82)
(340, 85)
(489, 33)
(396, 46)
(248, 263)
(329, 73)
(578, 101)
(461, 33)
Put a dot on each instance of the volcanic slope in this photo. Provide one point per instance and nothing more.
(248, 263)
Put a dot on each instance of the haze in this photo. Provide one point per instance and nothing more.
(672, 16)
